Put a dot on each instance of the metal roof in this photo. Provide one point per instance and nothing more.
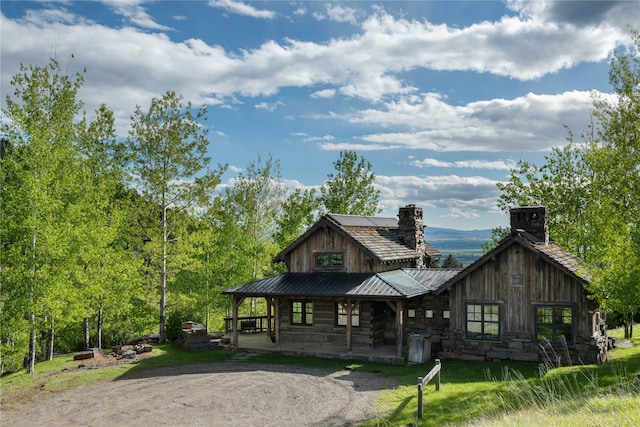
(432, 278)
(405, 283)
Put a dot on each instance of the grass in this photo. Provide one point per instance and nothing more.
(526, 394)
(472, 393)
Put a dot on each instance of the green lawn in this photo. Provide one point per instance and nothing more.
(471, 393)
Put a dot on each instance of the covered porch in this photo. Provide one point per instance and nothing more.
(339, 315)
(261, 342)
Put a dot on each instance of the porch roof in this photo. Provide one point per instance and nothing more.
(395, 284)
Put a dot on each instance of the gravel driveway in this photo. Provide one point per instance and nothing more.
(220, 394)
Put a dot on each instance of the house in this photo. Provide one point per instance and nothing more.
(525, 297)
(350, 283)
(359, 286)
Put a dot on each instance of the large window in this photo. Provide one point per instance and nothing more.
(302, 313)
(553, 323)
(342, 314)
(329, 259)
(483, 321)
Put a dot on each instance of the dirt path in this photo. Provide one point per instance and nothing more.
(221, 394)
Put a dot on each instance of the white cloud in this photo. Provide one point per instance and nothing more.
(527, 123)
(319, 138)
(241, 8)
(325, 93)
(466, 164)
(269, 106)
(339, 13)
(129, 66)
(450, 195)
(134, 13)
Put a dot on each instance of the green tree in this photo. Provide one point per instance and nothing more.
(40, 188)
(109, 276)
(350, 190)
(168, 146)
(451, 262)
(300, 210)
(497, 234)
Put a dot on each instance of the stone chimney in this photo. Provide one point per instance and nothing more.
(532, 220)
(411, 231)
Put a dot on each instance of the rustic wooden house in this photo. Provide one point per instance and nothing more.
(525, 297)
(351, 282)
(360, 284)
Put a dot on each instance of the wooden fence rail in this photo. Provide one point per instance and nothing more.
(422, 381)
(247, 324)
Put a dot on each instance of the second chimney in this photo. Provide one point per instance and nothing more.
(531, 220)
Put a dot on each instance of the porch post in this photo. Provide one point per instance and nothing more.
(269, 302)
(276, 321)
(349, 325)
(399, 323)
(234, 321)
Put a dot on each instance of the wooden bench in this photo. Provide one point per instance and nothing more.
(248, 325)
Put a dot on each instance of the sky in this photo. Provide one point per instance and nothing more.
(443, 98)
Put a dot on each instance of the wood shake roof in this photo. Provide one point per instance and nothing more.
(377, 236)
(551, 251)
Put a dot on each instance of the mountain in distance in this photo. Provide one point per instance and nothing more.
(464, 245)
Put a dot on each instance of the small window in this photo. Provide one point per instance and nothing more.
(329, 259)
(411, 312)
(302, 313)
(341, 312)
(553, 323)
(446, 314)
(428, 314)
(483, 321)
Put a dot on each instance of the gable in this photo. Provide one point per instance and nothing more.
(377, 238)
(547, 252)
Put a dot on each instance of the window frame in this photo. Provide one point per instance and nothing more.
(341, 312)
(305, 313)
(556, 310)
(484, 322)
(330, 265)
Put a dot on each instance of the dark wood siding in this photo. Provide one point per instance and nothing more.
(324, 329)
(518, 279)
(356, 260)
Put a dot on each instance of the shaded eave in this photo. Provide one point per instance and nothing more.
(550, 252)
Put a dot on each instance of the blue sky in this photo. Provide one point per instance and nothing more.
(442, 97)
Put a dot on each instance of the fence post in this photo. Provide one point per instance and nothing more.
(419, 398)
(435, 372)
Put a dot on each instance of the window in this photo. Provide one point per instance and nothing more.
(483, 321)
(302, 313)
(553, 323)
(446, 314)
(428, 314)
(329, 259)
(342, 314)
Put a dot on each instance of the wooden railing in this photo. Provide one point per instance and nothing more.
(247, 324)
(422, 381)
